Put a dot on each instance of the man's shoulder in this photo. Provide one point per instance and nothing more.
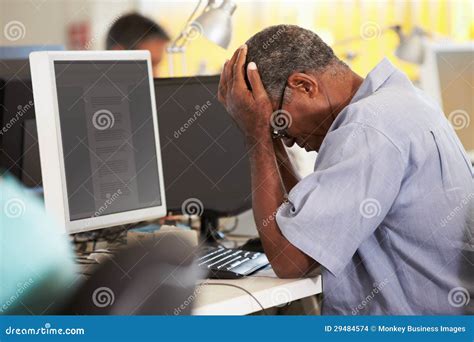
(396, 111)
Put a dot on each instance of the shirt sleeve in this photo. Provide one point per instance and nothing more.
(331, 212)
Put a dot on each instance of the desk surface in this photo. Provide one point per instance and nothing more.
(215, 299)
(269, 291)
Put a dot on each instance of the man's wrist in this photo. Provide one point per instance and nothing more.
(257, 141)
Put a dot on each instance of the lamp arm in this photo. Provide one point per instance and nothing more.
(181, 35)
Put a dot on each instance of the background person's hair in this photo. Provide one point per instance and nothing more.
(281, 50)
(131, 29)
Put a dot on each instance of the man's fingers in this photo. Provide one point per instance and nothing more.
(258, 91)
(221, 94)
(229, 68)
(238, 69)
(222, 89)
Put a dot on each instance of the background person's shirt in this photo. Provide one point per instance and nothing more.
(37, 270)
(388, 211)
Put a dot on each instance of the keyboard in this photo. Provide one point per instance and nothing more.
(230, 263)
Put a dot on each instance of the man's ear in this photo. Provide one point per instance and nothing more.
(304, 83)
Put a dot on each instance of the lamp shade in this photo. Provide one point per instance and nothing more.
(216, 24)
(411, 47)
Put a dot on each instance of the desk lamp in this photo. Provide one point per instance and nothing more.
(214, 23)
(409, 49)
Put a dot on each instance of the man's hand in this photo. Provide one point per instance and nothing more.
(250, 109)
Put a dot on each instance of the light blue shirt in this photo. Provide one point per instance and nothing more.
(37, 270)
(388, 211)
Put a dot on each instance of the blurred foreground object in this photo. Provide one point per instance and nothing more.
(152, 277)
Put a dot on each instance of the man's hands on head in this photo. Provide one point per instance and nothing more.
(251, 109)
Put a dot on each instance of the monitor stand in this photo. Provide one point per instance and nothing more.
(209, 232)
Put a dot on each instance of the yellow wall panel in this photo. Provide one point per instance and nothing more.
(334, 20)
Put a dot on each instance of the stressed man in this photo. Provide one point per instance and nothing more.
(377, 212)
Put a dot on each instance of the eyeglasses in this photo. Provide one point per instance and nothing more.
(280, 133)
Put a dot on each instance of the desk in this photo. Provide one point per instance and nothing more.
(270, 292)
(214, 299)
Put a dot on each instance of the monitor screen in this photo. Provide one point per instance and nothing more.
(16, 107)
(204, 155)
(456, 70)
(30, 163)
(108, 140)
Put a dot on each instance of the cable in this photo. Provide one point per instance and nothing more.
(243, 289)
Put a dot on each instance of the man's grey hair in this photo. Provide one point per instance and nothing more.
(281, 50)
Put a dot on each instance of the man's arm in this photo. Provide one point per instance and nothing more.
(287, 171)
(267, 196)
(252, 110)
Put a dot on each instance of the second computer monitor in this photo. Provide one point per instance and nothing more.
(447, 75)
(205, 160)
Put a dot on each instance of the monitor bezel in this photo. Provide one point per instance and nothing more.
(429, 80)
(49, 136)
(429, 70)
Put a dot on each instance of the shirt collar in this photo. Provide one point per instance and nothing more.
(375, 78)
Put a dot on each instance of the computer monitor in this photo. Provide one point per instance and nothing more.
(30, 161)
(17, 106)
(205, 160)
(14, 69)
(447, 75)
(98, 137)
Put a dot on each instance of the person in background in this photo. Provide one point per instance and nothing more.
(136, 32)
